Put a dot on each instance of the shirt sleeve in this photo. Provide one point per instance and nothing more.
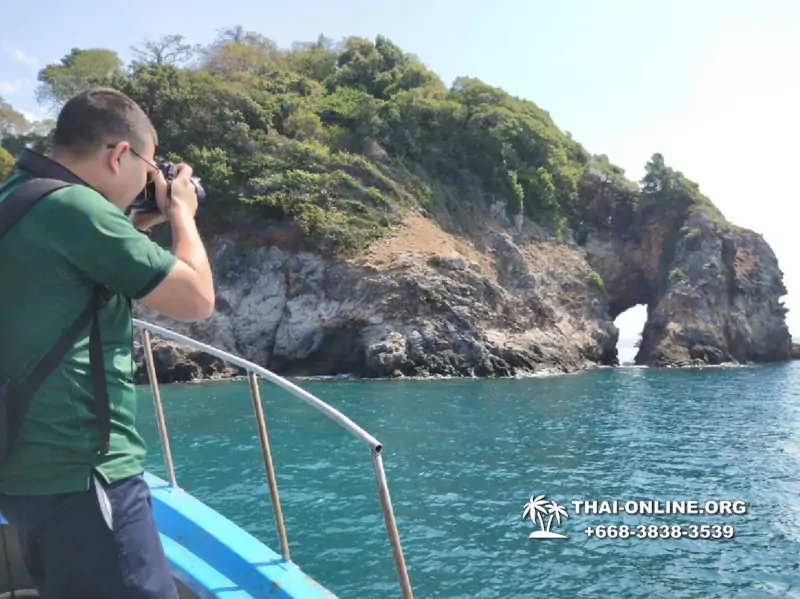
(97, 239)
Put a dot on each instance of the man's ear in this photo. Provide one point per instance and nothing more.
(115, 155)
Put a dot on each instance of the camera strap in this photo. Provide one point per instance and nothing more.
(169, 176)
(169, 196)
(18, 400)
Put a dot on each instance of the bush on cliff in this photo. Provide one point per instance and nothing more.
(337, 141)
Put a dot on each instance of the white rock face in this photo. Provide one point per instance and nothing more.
(298, 313)
(522, 305)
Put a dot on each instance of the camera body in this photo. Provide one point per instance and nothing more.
(146, 200)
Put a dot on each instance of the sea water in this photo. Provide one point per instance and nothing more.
(464, 457)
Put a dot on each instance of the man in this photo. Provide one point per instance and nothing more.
(84, 514)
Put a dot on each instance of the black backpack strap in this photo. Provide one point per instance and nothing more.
(12, 209)
(99, 296)
(23, 394)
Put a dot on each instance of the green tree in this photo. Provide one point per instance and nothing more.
(657, 175)
(77, 71)
(41, 142)
(313, 59)
(12, 122)
(17, 133)
(329, 144)
(237, 50)
(169, 50)
(6, 163)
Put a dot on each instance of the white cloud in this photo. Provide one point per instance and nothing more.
(20, 56)
(8, 88)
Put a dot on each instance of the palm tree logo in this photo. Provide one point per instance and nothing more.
(539, 506)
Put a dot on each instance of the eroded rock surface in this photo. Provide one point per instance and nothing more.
(713, 294)
(504, 301)
(405, 311)
(175, 363)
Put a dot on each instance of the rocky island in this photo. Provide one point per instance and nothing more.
(363, 218)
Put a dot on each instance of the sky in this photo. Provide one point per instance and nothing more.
(713, 85)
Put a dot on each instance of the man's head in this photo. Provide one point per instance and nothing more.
(105, 138)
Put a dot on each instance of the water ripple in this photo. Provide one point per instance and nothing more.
(463, 457)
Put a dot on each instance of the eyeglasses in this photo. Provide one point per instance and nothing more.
(153, 167)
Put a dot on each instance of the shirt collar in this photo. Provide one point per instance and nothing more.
(45, 167)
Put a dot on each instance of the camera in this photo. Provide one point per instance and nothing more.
(146, 200)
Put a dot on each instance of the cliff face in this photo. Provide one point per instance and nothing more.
(502, 301)
(713, 293)
(421, 303)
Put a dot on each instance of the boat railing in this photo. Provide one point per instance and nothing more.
(253, 373)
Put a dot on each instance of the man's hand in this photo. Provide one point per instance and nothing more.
(188, 291)
(148, 219)
(183, 196)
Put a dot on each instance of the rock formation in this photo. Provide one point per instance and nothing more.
(497, 302)
(175, 363)
(713, 292)
(523, 306)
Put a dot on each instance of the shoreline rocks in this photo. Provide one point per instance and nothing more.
(505, 301)
(175, 363)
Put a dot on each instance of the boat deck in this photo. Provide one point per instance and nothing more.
(210, 556)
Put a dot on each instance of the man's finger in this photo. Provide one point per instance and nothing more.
(184, 170)
(158, 181)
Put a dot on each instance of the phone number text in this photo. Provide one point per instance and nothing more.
(661, 531)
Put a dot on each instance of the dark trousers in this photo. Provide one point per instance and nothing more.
(71, 551)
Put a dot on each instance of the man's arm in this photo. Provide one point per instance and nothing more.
(187, 293)
(96, 239)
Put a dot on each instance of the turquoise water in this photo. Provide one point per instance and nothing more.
(463, 457)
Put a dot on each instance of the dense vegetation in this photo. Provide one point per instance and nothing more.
(337, 141)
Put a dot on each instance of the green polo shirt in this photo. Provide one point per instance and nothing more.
(49, 263)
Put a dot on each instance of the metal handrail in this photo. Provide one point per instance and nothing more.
(254, 371)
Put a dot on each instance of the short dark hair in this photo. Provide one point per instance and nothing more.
(99, 116)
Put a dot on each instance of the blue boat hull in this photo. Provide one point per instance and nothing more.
(210, 556)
